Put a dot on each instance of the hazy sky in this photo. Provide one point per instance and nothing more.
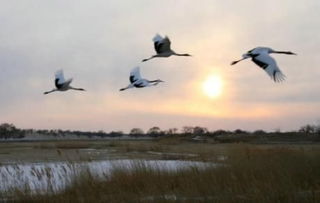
(98, 42)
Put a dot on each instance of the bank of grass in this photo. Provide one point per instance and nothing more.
(248, 174)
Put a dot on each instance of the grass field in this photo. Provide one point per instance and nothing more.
(245, 172)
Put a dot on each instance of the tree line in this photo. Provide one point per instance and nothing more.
(9, 131)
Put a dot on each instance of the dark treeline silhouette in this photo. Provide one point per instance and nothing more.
(9, 131)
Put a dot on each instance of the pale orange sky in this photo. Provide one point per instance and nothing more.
(98, 43)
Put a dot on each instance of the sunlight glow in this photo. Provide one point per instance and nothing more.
(212, 86)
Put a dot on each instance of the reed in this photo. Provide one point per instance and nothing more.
(248, 174)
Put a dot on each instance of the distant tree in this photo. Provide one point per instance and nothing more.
(171, 131)
(136, 132)
(28, 131)
(6, 129)
(308, 129)
(60, 132)
(116, 134)
(219, 132)
(277, 130)
(155, 131)
(10, 131)
(317, 129)
(239, 131)
(259, 132)
(199, 130)
(101, 133)
(43, 132)
(53, 132)
(187, 130)
(68, 132)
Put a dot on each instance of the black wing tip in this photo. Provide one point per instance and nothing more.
(233, 63)
(278, 77)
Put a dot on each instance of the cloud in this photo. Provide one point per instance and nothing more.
(99, 42)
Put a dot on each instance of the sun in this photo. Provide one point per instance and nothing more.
(212, 86)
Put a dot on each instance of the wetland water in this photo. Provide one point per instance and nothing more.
(56, 176)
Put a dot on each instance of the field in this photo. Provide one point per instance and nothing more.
(161, 170)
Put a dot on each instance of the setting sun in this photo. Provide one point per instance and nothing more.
(212, 86)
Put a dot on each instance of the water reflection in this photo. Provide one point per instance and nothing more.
(56, 176)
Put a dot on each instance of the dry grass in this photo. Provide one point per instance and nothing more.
(249, 174)
(62, 145)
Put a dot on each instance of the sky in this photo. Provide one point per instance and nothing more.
(98, 42)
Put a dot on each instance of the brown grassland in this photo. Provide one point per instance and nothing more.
(246, 172)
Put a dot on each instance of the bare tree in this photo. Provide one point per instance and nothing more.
(187, 130)
(172, 131)
(308, 129)
(199, 130)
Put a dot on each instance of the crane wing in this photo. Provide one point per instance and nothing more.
(141, 83)
(157, 38)
(67, 82)
(60, 81)
(59, 77)
(267, 63)
(161, 44)
(135, 75)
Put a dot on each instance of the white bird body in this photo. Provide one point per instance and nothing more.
(62, 84)
(136, 81)
(260, 56)
(162, 46)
